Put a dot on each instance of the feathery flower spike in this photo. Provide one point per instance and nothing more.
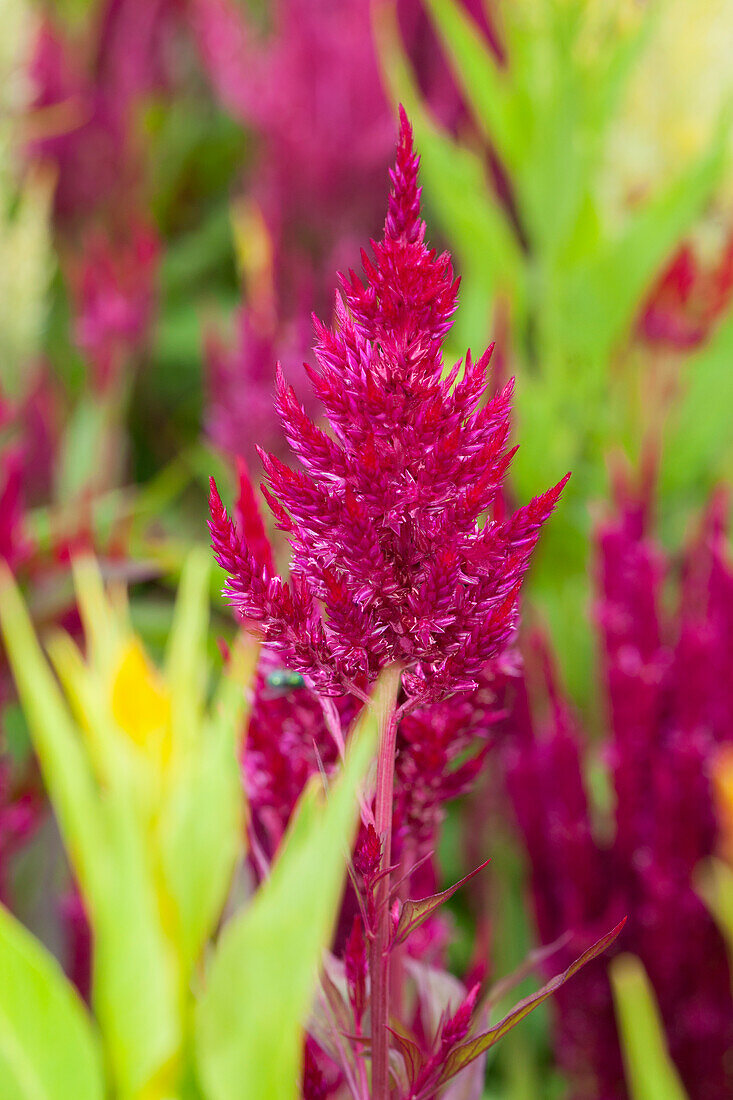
(392, 558)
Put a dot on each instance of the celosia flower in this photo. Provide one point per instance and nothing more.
(87, 109)
(14, 545)
(306, 88)
(240, 386)
(391, 559)
(670, 709)
(689, 298)
(313, 192)
(115, 291)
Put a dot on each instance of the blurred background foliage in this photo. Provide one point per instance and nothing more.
(180, 180)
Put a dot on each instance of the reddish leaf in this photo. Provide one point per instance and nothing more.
(411, 1054)
(533, 960)
(467, 1052)
(413, 913)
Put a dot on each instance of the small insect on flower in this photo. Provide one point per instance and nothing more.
(283, 680)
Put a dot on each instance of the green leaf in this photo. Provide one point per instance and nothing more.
(597, 302)
(185, 668)
(263, 975)
(136, 991)
(48, 1047)
(714, 883)
(463, 1055)
(201, 832)
(137, 994)
(650, 1072)
(697, 446)
(91, 430)
(486, 87)
(66, 771)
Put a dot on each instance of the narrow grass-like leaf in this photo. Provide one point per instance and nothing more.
(264, 973)
(599, 299)
(201, 832)
(487, 89)
(185, 667)
(48, 1047)
(66, 771)
(714, 884)
(650, 1072)
(698, 428)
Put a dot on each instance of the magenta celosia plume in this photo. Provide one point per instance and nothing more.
(391, 562)
(114, 298)
(670, 699)
(688, 299)
(86, 94)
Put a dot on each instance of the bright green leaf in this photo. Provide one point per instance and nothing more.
(201, 832)
(48, 1047)
(186, 656)
(66, 770)
(650, 1073)
(263, 975)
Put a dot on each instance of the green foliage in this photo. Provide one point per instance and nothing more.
(714, 884)
(650, 1072)
(145, 781)
(48, 1046)
(467, 1052)
(153, 838)
(263, 975)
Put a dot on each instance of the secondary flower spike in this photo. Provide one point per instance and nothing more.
(393, 560)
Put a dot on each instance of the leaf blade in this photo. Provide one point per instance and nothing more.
(48, 1047)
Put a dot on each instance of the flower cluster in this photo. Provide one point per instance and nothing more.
(114, 299)
(670, 707)
(85, 111)
(391, 559)
(304, 90)
(690, 296)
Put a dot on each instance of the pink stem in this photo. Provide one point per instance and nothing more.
(379, 957)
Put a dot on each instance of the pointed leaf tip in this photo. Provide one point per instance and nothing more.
(414, 913)
(463, 1055)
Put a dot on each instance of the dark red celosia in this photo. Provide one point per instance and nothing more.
(303, 89)
(688, 299)
(286, 743)
(14, 543)
(114, 291)
(356, 969)
(85, 108)
(391, 559)
(671, 707)
(240, 410)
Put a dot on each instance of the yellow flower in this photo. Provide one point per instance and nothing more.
(141, 704)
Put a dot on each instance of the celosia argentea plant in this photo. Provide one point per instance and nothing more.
(665, 677)
(400, 566)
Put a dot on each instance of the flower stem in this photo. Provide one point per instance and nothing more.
(379, 956)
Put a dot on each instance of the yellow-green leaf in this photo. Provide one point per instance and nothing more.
(262, 978)
(650, 1073)
(48, 1047)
